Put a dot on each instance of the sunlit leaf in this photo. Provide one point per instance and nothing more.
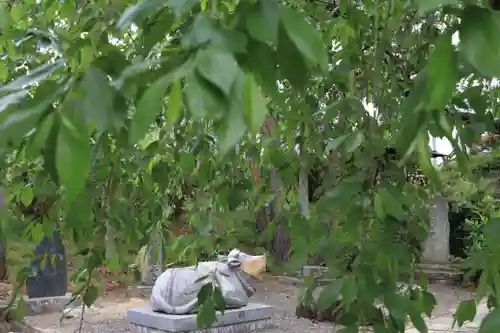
(34, 76)
(174, 103)
(255, 104)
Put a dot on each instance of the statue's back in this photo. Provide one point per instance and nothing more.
(176, 289)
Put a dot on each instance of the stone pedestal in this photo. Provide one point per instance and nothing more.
(44, 305)
(251, 318)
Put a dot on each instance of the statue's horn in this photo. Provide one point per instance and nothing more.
(254, 265)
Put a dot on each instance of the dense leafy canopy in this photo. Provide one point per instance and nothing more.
(118, 119)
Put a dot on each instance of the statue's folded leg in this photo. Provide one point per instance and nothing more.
(160, 305)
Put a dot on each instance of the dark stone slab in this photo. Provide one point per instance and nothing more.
(48, 280)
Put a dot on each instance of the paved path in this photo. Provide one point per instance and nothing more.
(444, 322)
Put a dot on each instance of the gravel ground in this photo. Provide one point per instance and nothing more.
(107, 316)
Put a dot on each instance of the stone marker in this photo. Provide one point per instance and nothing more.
(437, 246)
(250, 318)
(48, 285)
(436, 252)
(47, 279)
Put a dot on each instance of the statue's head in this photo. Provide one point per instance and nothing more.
(254, 266)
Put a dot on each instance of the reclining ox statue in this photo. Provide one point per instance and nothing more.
(176, 290)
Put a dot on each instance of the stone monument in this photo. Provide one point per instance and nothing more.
(174, 299)
(437, 246)
(49, 274)
(435, 258)
(47, 285)
(150, 272)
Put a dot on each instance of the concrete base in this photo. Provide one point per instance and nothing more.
(316, 271)
(43, 305)
(440, 272)
(253, 317)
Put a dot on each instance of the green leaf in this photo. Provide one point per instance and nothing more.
(255, 104)
(218, 299)
(138, 12)
(349, 290)
(35, 76)
(479, 39)
(378, 206)
(22, 120)
(12, 98)
(305, 37)
(233, 129)
(425, 6)
(482, 286)
(418, 321)
(27, 196)
(98, 98)
(329, 295)
(391, 204)
(233, 126)
(49, 152)
(466, 311)
(442, 73)
(152, 102)
(428, 302)
(291, 62)
(354, 141)
(72, 158)
(219, 67)
(90, 296)
(491, 323)
(334, 144)
(156, 31)
(21, 308)
(186, 162)
(181, 7)
(262, 21)
(174, 103)
(205, 293)
(206, 315)
(38, 139)
(193, 92)
(202, 31)
(37, 234)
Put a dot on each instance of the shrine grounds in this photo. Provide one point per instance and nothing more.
(107, 316)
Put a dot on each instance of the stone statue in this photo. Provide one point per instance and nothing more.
(176, 290)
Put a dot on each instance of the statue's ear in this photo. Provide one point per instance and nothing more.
(234, 263)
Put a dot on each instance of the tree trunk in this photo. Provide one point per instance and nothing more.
(3, 260)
